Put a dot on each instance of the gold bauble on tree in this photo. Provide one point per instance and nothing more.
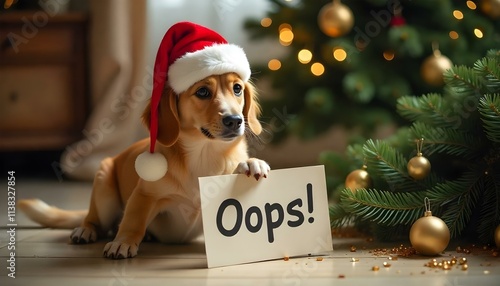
(358, 179)
(419, 167)
(491, 8)
(429, 235)
(335, 19)
(497, 236)
(434, 66)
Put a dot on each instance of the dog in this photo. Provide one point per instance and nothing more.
(202, 132)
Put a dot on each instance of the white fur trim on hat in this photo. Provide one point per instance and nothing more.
(213, 60)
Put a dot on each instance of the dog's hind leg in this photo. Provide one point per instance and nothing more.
(105, 206)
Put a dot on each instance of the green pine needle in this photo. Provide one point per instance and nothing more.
(489, 108)
(458, 198)
(383, 207)
(387, 163)
(339, 217)
(447, 141)
(462, 81)
(384, 160)
(489, 70)
(430, 109)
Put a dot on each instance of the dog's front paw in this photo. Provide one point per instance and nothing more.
(253, 167)
(83, 235)
(120, 250)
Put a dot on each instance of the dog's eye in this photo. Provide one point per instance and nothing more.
(237, 89)
(203, 93)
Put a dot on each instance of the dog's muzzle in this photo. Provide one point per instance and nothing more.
(232, 127)
(232, 123)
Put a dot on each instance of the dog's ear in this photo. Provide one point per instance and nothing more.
(168, 118)
(251, 110)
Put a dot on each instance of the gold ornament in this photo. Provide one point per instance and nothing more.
(497, 236)
(491, 8)
(434, 66)
(429, 235)
(335, 19)
(418, 166)
(358, 179)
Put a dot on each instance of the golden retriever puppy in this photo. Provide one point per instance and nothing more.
(199, 128)
(210, 120)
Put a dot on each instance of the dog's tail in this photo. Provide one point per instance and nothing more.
(49, 216)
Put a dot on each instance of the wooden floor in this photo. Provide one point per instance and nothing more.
(44, 257)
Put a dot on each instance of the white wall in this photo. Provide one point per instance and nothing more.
(224, 16)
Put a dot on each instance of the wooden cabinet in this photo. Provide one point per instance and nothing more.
(43, 80)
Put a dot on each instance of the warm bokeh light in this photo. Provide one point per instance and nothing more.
(388, 55)
(274, 64)
(304, 56)
(339, 54)
(471, 5)
(284, 26)
(286, 35)
(453, 35)
(266, 22)
(458, 14)
(317, 69)
(478, 33)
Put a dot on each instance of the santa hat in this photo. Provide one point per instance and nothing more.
(188, 53)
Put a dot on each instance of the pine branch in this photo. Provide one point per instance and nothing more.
(383, 207)
(430, 109)
(461, 82)
(383, 160)
(493, 53)
(339, 217)
(489, 108)
(489, 69)
(458, 198)
(447, 141)
(387, 163)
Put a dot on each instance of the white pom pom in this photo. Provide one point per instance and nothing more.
(151, 166)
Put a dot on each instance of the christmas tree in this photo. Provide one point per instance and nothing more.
(347, 63)
(355, 63)
(461, 131)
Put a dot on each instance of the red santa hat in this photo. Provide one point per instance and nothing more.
(188, 53)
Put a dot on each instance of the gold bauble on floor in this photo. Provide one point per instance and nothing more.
(429, 235)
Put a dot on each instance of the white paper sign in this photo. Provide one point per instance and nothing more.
(245, 220)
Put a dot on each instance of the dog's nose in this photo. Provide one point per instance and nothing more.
(232, 122)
